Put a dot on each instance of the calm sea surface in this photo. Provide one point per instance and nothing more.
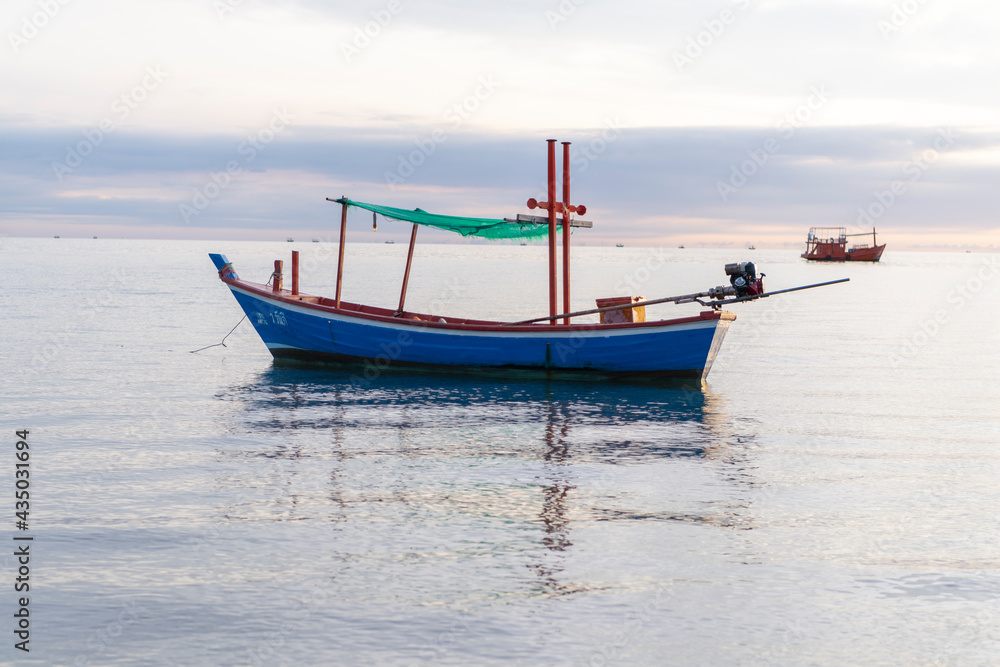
(829, 497)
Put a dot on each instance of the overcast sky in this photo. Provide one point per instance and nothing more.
(714, 123)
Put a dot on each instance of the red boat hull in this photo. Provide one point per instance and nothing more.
(837, 252)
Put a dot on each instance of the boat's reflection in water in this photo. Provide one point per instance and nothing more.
(535, 452)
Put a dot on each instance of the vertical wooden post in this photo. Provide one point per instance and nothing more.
(406, 275)
(552, 230)
(340, 257)
(276, 277)
(295, 273)
(566, 230)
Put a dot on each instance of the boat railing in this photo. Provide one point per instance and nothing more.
(827, 235)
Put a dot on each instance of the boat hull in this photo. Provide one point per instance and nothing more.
(309, 329)
(837, 253)
(829, 244)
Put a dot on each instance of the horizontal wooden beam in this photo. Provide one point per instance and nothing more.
(539, 220)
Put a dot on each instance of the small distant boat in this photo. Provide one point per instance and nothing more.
(829, 244)
(389, 242)
(680, 247)
(95, 237)
(619, 245)
(56, 236)
(315, 240)
(751, 247)
(290, 239)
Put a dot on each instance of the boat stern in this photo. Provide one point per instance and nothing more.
(725, 319)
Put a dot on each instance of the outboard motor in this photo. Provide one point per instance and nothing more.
(744, 280)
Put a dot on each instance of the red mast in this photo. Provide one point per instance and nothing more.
(552, 229)
(554, 207)
(565, 212)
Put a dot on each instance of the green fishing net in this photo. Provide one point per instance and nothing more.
(487, 228)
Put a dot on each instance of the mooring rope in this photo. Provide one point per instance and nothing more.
(223, 343)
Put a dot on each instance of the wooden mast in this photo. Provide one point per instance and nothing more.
(406, 274)
(340, 257)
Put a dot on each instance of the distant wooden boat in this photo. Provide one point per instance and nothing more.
(619, 245)
(290, 239)
(829, 244)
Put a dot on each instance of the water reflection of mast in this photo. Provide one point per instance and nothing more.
(339, 514)
(554, 513)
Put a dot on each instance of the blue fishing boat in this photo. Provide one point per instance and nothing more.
(306, 327)
(300, 326)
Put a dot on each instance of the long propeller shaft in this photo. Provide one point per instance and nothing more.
(684, 298)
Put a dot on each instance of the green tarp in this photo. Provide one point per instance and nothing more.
(487, 228)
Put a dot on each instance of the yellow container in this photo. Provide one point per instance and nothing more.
(633, 314)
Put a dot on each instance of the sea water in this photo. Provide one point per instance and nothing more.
(828, 497)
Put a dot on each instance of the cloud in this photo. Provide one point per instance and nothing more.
(598, 59)
(641, 184)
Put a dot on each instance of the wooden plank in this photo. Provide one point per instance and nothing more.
(539, 220)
